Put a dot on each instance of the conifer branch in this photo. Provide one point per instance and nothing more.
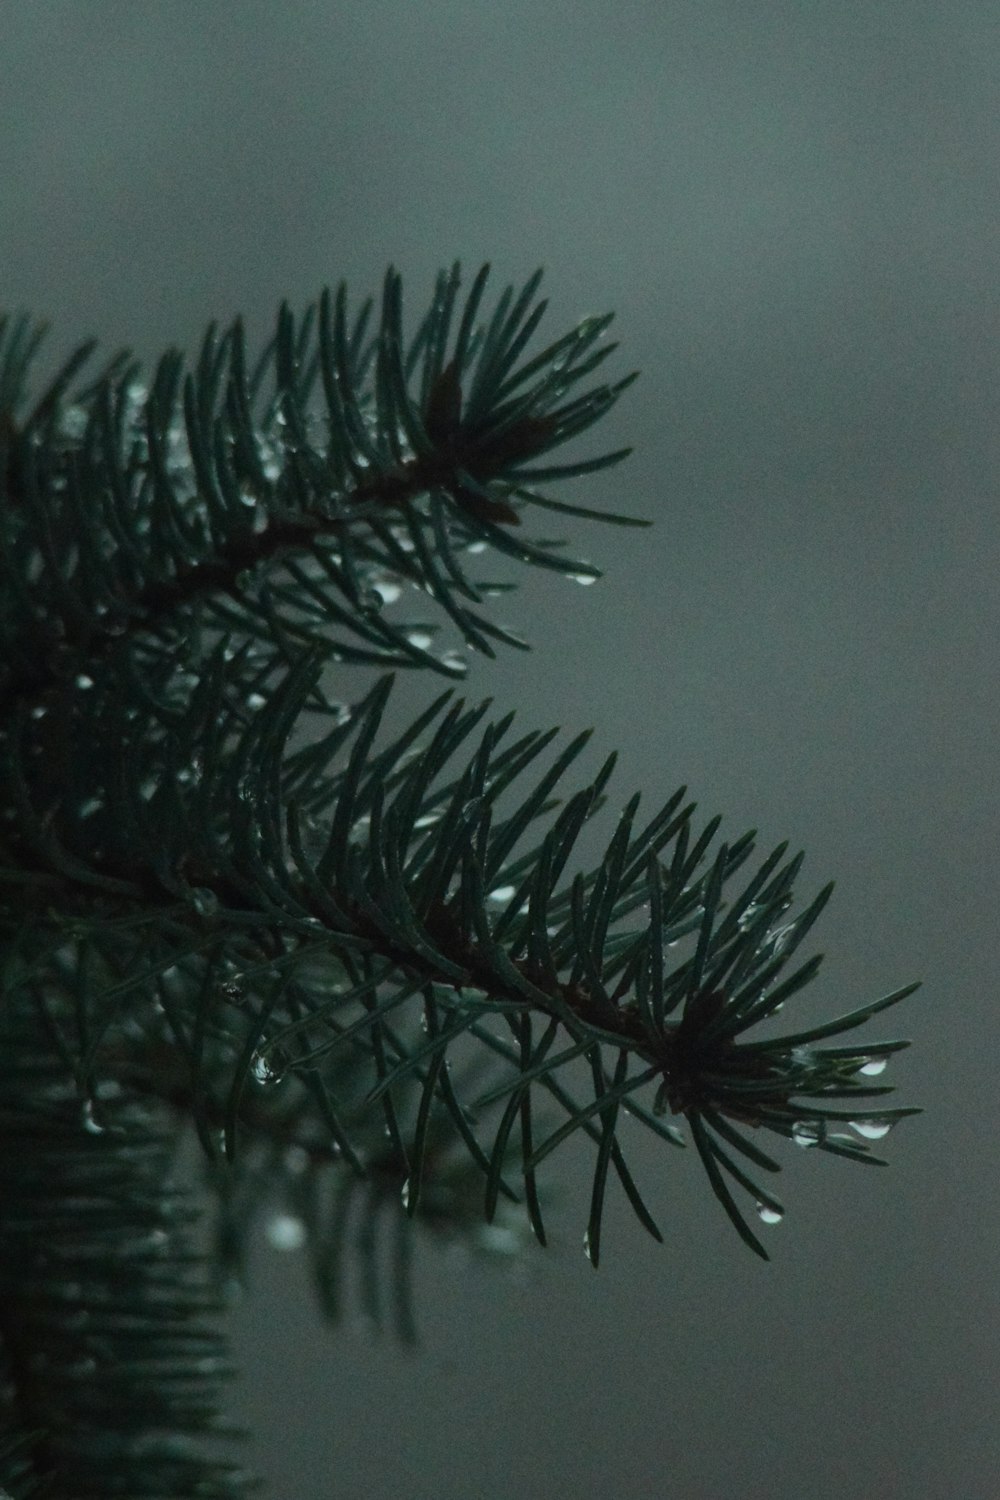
(225, 900)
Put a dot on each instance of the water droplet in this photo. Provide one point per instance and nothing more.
(83, 681)
(404, 1193)
(497, 1239)
(454, 661)
(256, 700)
(204, 901)
(769, 1213)
(387, 591)
(872, 1130)
(262, 1070)
(39, 712)
(502, 893)
(73, 421)
(90, 1124)
(584, 578)
(476, 547)
(586, 1246)
(805, 1133)
(285, 1232)
(420, 639)
(90, 806)
(874, 1066)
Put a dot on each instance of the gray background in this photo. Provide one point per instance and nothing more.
(793, 210)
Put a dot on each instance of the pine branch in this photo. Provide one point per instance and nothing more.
(110, 1369)
(145, 511)
(225, 898)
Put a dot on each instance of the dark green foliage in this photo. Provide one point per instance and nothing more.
(110, 1366)
(231, 900)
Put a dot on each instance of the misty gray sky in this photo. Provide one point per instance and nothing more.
(793, 211)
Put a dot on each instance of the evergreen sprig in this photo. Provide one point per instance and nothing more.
(224, 893)
(111, 1363)
(358, 463)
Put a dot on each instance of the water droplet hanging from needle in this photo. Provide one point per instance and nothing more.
(872, 1130)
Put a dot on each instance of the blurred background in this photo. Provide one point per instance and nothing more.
(792, 210)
